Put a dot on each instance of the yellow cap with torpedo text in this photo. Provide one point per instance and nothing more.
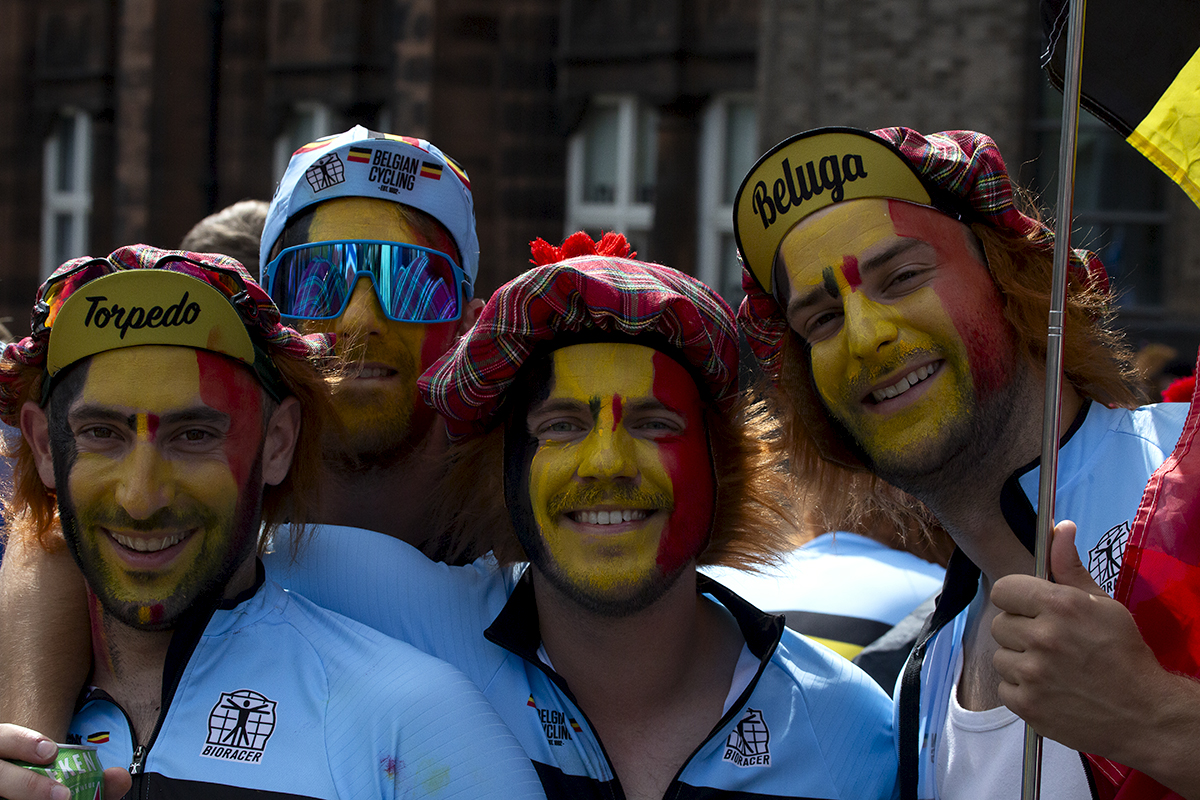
(146, 306)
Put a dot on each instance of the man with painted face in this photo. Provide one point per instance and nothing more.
(899, 300)
(372, 236)
(160, 403)
(599, 436)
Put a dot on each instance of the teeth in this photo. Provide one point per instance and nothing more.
(148, 545)
(904, 384)
(610, 517)
(373, 372)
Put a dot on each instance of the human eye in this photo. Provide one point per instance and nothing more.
(818, 322)
(196, 439)
(905, 279)
(557, 428)
(655, 425)
(97, 433)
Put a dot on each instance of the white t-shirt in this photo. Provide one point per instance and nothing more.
(980, 757)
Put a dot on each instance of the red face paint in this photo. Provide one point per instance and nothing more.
(850, 270)
(689, 465)
(616, 411)
(968, 294)
(230, 387)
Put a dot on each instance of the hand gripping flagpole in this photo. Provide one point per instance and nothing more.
(1031, 773)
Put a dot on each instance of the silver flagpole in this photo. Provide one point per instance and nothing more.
(1031, 772)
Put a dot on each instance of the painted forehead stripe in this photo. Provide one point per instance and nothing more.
(850, 270)
(829, 282)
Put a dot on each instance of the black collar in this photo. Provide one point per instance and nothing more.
(516, 628)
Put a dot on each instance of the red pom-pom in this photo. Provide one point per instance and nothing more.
(579, 244)
(1180, 390)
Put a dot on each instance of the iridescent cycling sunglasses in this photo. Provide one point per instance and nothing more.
(413, 284)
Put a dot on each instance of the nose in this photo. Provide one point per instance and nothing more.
(607, 454)
(363, 314)
(868, 325)
(143, 483)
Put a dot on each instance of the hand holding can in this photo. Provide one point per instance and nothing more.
(32, 766)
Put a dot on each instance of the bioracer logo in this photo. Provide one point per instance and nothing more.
(794, 187)
(136, 317)
(748, 744)
(239, 726)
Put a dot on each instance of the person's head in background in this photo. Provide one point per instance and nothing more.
(234, 231)
(372, 236)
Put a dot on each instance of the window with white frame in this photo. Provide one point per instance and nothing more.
(306, 122)
(611, 164)
(66, 189)
(728, 148)
(1119, 204)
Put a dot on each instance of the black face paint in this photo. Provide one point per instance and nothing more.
(829, 282)
(532, 388)
(68, 387)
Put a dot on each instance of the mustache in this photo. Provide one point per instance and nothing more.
(873, 373)
(625, 496)
(356, 350)
(163, 519)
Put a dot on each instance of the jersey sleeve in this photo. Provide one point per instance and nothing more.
(391, 586)
(400, 723)
(454, 745)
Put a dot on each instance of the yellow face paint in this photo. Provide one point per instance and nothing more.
(887, 294)
(621, 481)
(162, 490)
(378, 406)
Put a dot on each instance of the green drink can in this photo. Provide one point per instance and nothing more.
(77, 767)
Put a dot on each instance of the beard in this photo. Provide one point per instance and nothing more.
(230, 538)
(609, 601)
(378, 426)
(966, 444)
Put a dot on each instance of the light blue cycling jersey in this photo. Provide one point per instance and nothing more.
(801, 723)
(1104, 465)
(274, 697)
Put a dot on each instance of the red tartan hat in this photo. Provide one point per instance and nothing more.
(589, 288)
(960, 173)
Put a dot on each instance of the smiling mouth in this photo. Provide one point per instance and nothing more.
(907, 382)
(145, 545)
(613, 517)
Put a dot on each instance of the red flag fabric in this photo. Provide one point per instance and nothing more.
(1160, 585)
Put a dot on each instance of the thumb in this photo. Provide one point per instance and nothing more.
(1065, 566)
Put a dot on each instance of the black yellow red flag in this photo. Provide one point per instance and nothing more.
(1140, 75)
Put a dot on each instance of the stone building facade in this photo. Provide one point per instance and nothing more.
(129, 120)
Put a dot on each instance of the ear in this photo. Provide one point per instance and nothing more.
(283, 432)
(35, 427)
(470, 315)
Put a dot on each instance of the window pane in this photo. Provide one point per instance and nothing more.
(639, 242)
(64, 246)
(646, 155)
(730, 271)
(741, 146)
(64, 154)
(1132, 254)
(1119, 203)
(600, 155)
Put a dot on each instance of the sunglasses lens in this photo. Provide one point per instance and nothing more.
(57, 291)
(310, 282)
(413, 284)
(416, 285)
